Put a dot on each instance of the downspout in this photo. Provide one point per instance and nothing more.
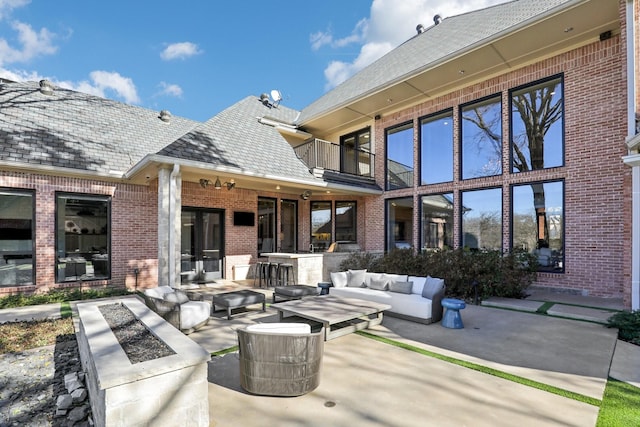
(173, 191)
(635, 170)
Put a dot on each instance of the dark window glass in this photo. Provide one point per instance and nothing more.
(437, 221)
(288, 225)
(346, 221)
(83, 236)
(321, 226)
(436, 149)
(399, 153)
(266, 225)
(482, 219)
(537, 116)
(538, 222)
(16, 237)
(399, 223)
(481, 138)
(356, 153)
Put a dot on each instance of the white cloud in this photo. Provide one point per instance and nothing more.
(391, 22)
(180, 51)
(170, 89)
(103, 82)
(20, 75)
(32, 43)
(6, 6)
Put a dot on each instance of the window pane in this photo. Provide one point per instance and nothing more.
(482, 219)
(16, 238)
(346, 222)
(321, 226)
(537, 140)
(538, 222)
(356, 153)
(266, 225)
(288, 225)
(399, 223)
(481, 139)
(399, 152)
(83, 236)
(436, 162)
(437, 221)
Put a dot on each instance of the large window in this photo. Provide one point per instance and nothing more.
(16, 237)
(266, 225)
(436, 149)
(345, 215)
(538, 222)
(399, 223)
(83, 230)
(321, 226)
(537, 126)
(356, 149)
(482, 219)
(399, 153)
(481, 138)
(437, 221)
(288, 225)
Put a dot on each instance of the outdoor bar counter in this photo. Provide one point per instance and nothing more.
(307, 267)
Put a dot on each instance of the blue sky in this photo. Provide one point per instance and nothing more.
(196, 58)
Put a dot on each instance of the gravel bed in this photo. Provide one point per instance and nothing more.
(31, 381)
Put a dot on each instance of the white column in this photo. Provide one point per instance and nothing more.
(169, 225)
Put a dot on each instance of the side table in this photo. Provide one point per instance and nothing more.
(324, 287)
(452, 318)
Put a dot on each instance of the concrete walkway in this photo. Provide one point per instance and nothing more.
(370, 383)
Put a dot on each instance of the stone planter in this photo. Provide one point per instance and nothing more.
(168, 391)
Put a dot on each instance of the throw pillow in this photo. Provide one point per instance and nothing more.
(401, 287)
(355, 278)
(339, 279)
(176, 297)
(418, 284)
(431, 286)
(379, 285)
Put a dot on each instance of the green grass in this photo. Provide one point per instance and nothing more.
(620, 405)
(225, 351)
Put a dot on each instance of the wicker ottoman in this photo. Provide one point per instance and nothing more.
(286, 293)
(237, 299)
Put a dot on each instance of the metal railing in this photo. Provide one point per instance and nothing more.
(318, 153)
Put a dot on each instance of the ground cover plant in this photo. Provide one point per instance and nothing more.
(490, 273)
(628, 324)
(21, 336)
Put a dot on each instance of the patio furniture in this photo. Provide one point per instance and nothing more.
(280, 359)
(324, 287)
(452, 318)
(338, 316)
(286, 293)
(174, 306)
(284, 274)
(237, 299)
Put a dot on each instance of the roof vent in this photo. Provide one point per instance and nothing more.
(46, 87)
(264, 98)
(165, 115)
(437, 19)
(420, 28)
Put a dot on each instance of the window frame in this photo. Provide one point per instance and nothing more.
(461, 215)
(421, 219)
(387, 231)
(273, 226)
(391, 130)
(357, 147)
(32, 195)
(421, 142)
(331, 222)
(354, 224)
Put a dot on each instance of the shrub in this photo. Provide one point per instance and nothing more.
(59, 295)
(628, 324)
(496, 274)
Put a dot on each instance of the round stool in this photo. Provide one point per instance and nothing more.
(284, 275)
(452, 318)
(324, 287)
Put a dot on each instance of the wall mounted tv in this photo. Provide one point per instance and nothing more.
(244, 219)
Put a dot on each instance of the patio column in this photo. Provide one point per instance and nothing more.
(169, 228)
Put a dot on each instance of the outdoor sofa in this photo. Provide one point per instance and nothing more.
(411, 297)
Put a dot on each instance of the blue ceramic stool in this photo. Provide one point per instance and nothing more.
(452, 318)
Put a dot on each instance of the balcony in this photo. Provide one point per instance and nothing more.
(320, 154)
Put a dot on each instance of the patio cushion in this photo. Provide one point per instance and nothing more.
(339, 279)
(177, 297)
(193, 313)
(281, 328)
(401, 287)
(418, 284)
(380, 285)
(355, 278)
(296, 291)
(431, 287)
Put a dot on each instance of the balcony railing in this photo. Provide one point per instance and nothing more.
(318, 153)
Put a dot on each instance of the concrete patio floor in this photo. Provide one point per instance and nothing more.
(370, 383)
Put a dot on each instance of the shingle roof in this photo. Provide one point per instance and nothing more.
(453, 34)
(235, 138)
(74, 130)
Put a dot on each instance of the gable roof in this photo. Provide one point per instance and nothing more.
(458, 51)
(79, 133)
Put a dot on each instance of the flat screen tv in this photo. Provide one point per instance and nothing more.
(244, 219)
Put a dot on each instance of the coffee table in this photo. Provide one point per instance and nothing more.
(338, 316)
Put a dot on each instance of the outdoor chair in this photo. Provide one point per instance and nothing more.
(280, 359)
(174, 306)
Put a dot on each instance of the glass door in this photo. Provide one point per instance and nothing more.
(202, 245)
(288, 226)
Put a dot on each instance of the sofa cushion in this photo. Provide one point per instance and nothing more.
(379, 284)
(355, 278)
(193, 313)
(158, 292)
(401, 287)
(396, 277)
(405, 304)
(418, 284)
(339, 279)
(368, 277)
(431, 286)
(281, 328)
(176, 297)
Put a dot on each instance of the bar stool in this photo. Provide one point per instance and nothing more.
(284, 275)
(272, 275)
(262, 274)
